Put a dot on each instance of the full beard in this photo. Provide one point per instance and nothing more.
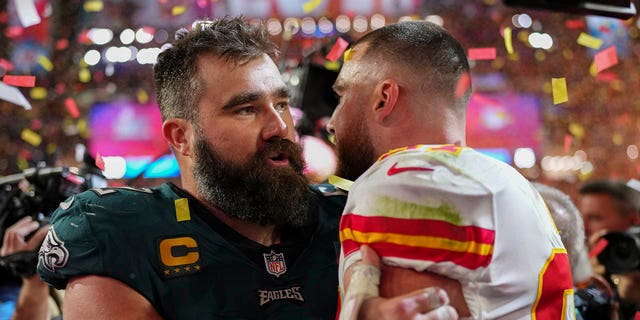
(256, 192)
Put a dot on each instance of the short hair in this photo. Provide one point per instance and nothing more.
(424, 48)
(177, 82)
(626, 198)
(569, 222)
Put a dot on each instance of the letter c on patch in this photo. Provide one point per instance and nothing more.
(166, 254)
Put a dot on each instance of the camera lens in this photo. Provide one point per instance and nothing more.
(621, 254)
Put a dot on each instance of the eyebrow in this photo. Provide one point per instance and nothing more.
(246, 97)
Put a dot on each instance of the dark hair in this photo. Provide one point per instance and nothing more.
(178, 85)
(626, 199)
(425, 48)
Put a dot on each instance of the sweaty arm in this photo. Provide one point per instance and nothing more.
(95, 297)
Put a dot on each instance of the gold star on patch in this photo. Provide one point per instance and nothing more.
(176, 270)
(187, 269)
(167, 272)
(197, 268)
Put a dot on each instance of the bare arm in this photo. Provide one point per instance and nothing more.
(94, 297)
(421, 300)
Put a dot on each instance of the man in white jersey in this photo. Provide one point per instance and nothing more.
(437, 212)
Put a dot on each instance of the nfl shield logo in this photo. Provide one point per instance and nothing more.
(275, 263)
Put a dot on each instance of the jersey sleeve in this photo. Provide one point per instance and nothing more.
(69, 248)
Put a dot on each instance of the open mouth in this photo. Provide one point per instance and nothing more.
(279, 159)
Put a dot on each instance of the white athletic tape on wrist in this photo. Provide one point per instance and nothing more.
(364, 283)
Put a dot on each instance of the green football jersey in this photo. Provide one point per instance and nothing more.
(168, 247)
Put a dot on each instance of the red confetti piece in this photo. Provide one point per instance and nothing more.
(202, 3)
(337, 50)
(464, 82)
(60, 88)
(567, 143)
(606, 58)
(99, 161)
(62, 44)
(4, 17)
(72, 107)
(637, 316)
(598, 247)
(149, 30)
(14, 32)
(20, 81)
(83, 37)
(606, 76)
(482, 53)
(35, 125)
(575, 24)
(6, 65)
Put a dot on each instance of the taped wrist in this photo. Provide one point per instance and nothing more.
(364, 283)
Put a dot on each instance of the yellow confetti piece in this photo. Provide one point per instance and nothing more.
(593, 69)
(332, 138)
(617, 139)
(576, 130)
(38, 93)
(45, 63)
(178, 10)
(22, 163)
(182, 209)
(51, 148)
(347, 55)
(82, 128)
(142, 96)
(84, 75)
(341, 183)
(559, 90)
(589, 41)
(93, 6)
(31, 137)
(332, 65)
(508, 42)
(310, 5)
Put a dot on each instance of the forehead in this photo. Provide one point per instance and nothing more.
(222, 78)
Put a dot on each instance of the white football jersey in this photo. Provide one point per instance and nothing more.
(455, 212)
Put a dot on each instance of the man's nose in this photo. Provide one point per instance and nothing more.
(276, 126)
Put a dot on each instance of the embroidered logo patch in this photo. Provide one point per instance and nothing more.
(292, 294)
(53, 255)
(275, 263)
(179, 256)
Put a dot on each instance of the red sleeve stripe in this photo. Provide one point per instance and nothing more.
(417, 227)
(390, 250)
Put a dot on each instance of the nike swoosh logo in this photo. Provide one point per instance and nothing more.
(395, 170)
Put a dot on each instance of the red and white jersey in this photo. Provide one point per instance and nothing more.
(456, 212)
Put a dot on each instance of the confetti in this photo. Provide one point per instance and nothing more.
(45, 63)
(567, 143)
(72, 107)
(182, 209)
(93, 6)
(508, 43)
(589, 41)
(20, 81)
(142, 96)
(99, 161)
(482, 53)
(38, 93)
(574, 24)
(31, 137)
(178, 10)
(347, 55)
(332, 65)
(464, 82)
(6, 65)
(84, 75)
(634, 184)
(337, 49)
(13, 95)
(606, 58)
(577, 130)
(559, 89)
(27, 12)
(598, 247)
(341, 183)
(310, 5)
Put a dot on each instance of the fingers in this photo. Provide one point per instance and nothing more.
(422, 301)
(14, 237)
(442, 313)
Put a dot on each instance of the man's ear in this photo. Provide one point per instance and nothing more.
(178, 132)
(387, 97)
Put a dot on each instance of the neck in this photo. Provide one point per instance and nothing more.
(264, 235)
